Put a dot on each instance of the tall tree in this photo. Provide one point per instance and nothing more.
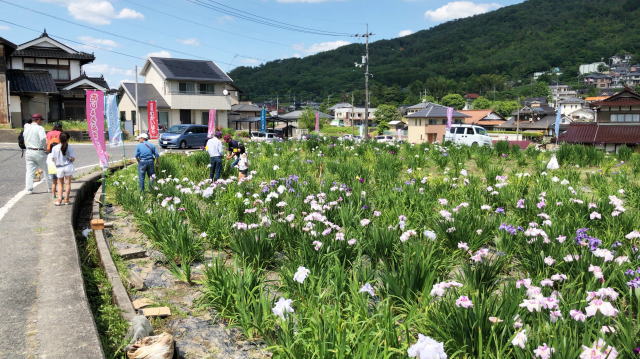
(385, 114)
(454, 100)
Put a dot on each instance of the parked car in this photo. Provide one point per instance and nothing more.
(469, 135)
(258, 136)
(384, 138)
(354, 138)
(184, 136)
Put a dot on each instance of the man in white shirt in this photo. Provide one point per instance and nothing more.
(35, 139)
(216, 150)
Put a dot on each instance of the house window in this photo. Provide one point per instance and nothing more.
(163, 119)
(186, 87)
(205, 118)
(123, 115)
(58, 72)
(207, 89)
(625, 118)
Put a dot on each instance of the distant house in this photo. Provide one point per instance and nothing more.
(46, 77)
(598, 80)
(185, 90)
(488, 119)
(6, 49)
(429, 123)
(469, 98)
(241, 112)
(561, 92)
(352, 116)
(591, 68)
(536, 115)
(338, 106)
(617, 123)
(570, 105)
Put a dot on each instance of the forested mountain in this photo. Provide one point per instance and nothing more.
(506, 46)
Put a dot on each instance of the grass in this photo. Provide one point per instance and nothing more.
(68, 125)
(112, 328)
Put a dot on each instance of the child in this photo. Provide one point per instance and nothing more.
(63, 156)
(51, 167)
(243, 166)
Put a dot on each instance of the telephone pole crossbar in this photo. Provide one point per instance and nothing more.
(365, 63)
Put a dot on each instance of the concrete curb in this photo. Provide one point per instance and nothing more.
(120, 295)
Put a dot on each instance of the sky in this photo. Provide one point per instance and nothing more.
(123, 33)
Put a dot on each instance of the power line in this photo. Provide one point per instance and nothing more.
(206, 25)
(108, 32)
(228, 10)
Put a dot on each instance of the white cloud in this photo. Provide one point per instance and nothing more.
(405, 33)
(162, 53)
(4, 27)
(225, 19)
(189, 42)
(95, 42)
(319, 47)
(304, 1)
(107, 70)
(250, 62)
(99, 12)
(459, 9)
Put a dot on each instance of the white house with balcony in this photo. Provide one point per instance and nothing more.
(185, 91)
(352, 116)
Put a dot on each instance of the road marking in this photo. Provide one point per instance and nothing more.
(5, 209)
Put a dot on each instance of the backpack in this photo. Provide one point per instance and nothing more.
(21, 141)
(52, 141)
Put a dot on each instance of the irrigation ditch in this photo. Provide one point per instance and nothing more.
(133, 295)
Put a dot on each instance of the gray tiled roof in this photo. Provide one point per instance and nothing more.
(544, 123)
(297, 114)
(31, 81)
(244, 107)
(432, 110)
(340, 105)
(572, 100)
(190, 70)
(146, 92)
(53, 53)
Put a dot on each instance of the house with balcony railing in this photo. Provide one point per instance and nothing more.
(185, 90)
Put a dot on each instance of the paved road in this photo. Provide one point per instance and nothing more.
(12, 166)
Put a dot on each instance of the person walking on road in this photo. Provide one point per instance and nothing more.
(53, 138)
(146, 154)
(35, 140)
(216, 150)
(63, 156)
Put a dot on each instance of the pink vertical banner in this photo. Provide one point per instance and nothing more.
(317, 121)
(449, 117)
(95, 124)
(152, 120)
(212, 123)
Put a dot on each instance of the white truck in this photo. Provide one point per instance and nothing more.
(470, 135)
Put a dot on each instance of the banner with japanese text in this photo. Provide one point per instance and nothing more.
(211, 130)
(263, 120)
(449, 117)
(152, 120)
(95, 124)
(113, 122)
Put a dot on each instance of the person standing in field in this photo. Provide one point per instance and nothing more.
(235, 149)
(146, 154)
(35, 140)
(53, 138)
(216, 150)
(63, 156)
(243, 166)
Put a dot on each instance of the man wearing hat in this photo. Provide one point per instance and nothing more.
(35, 141)
(146, 153)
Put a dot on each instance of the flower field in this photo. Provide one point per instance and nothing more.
(343, 250)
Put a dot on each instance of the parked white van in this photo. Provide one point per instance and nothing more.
(469, 135)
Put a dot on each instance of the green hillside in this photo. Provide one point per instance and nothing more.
(512, 42)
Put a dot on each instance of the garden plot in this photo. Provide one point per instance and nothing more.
(340, 250)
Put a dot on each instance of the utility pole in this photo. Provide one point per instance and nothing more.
(365, 63)
(351, 120)
(137, 104)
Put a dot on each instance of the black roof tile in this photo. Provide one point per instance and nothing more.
(146, 92)
(31, 81)
(190, 70)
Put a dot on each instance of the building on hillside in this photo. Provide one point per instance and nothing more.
(617, 122)
(591, 68)
(598, 80)
(469, 98)
(46, 77)
(429, 124)
(338, 106)
(488, 119)
(570, 105)
(562, 92)
(6, 49)
(185, 90)
(352, 116)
